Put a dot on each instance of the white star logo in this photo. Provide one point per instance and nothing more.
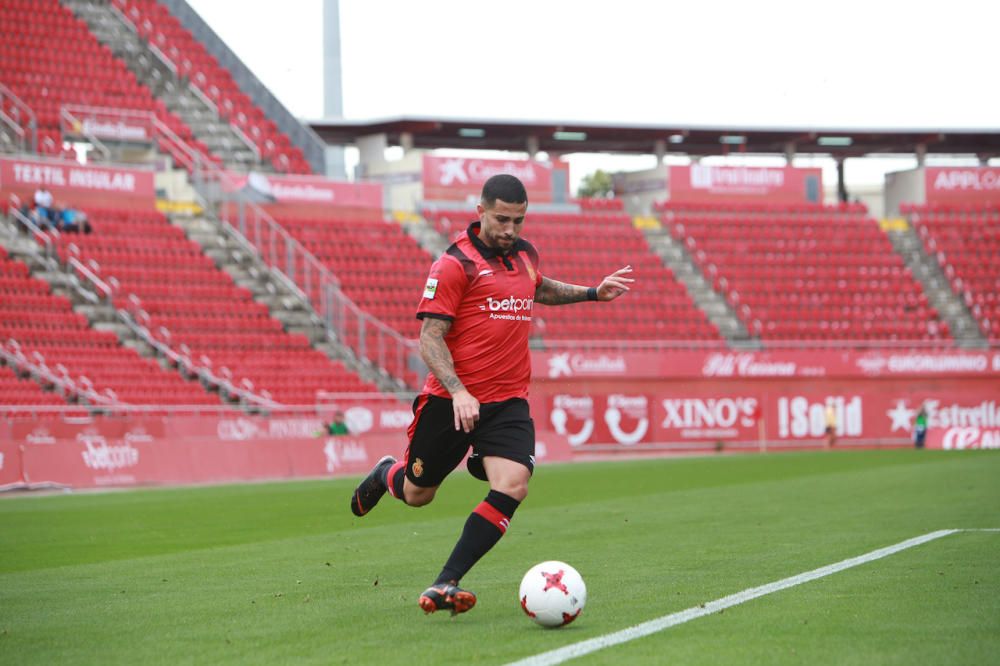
(901, 416)
(452, 170)
(559, 365)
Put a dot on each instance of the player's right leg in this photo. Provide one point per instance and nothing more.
(372, 487)
(434, 450)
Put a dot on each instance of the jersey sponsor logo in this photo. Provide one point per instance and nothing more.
(510, 308)
(430, 289)
(509, 304)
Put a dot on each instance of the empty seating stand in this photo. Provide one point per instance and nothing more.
(17, 392)
(160, 28)
(965, 241)
(582, 248)
(807, 273)
(49, 58)
(201, 307)
(379, 266)
(42, 322)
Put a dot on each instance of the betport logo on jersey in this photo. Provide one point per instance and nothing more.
(510, 308)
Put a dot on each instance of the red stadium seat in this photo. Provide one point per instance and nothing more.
(787, 271)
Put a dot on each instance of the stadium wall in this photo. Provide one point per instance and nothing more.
(576, 418)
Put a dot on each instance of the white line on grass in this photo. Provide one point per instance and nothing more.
(568, 652)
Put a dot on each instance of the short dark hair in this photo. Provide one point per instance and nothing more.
(505, 188)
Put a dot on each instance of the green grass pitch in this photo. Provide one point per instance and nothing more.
(282, 573)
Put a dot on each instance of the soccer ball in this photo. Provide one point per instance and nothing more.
(552, 593)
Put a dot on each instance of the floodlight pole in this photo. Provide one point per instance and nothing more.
(333, 83)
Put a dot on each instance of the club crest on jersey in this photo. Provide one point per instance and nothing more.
(430, 289)
(418, 468)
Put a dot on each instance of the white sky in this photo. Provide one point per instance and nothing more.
(844, 64)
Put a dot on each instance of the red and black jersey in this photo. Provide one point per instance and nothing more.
(488, 297)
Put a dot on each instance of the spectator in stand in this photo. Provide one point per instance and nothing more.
(43, 213)
(920, 428)
(72, 220)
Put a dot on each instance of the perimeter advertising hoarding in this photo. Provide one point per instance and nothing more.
(76, 184)
(459, 178)
(131, 451)
(311, 196)
(677, 364)
(962, 185)
(610, 416)
(738, 184)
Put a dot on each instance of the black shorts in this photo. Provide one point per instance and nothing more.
(504, 429)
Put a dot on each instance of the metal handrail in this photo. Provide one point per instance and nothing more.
(247, 141)
(284, 255)
(13, 125)
(167, 62)
(129, 318)
(68, 388)
(32, 124)
(66, 115)
(39, 234)
(93, 279)
(205, 99)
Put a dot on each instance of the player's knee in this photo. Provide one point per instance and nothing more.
(416, 496)
(513, 488)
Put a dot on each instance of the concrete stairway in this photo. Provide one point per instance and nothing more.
(113, 29)
(234, 254)
(949, 305)
(676, 257)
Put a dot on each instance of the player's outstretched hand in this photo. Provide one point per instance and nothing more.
(615, 284)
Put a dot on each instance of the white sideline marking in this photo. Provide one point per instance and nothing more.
(574, 650)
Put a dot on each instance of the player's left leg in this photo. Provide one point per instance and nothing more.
(506, 442)
(483, 529)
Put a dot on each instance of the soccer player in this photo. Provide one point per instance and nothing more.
(476, 311)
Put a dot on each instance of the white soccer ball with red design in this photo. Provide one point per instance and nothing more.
(553, 593)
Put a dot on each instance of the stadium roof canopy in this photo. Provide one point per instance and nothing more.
(556, 138)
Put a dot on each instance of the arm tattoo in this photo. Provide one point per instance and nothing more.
(436, 355)
(553, 292)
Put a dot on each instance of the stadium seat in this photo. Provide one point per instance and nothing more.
(46, 329)
(807, 272)
(191, 302)
(965, 241)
